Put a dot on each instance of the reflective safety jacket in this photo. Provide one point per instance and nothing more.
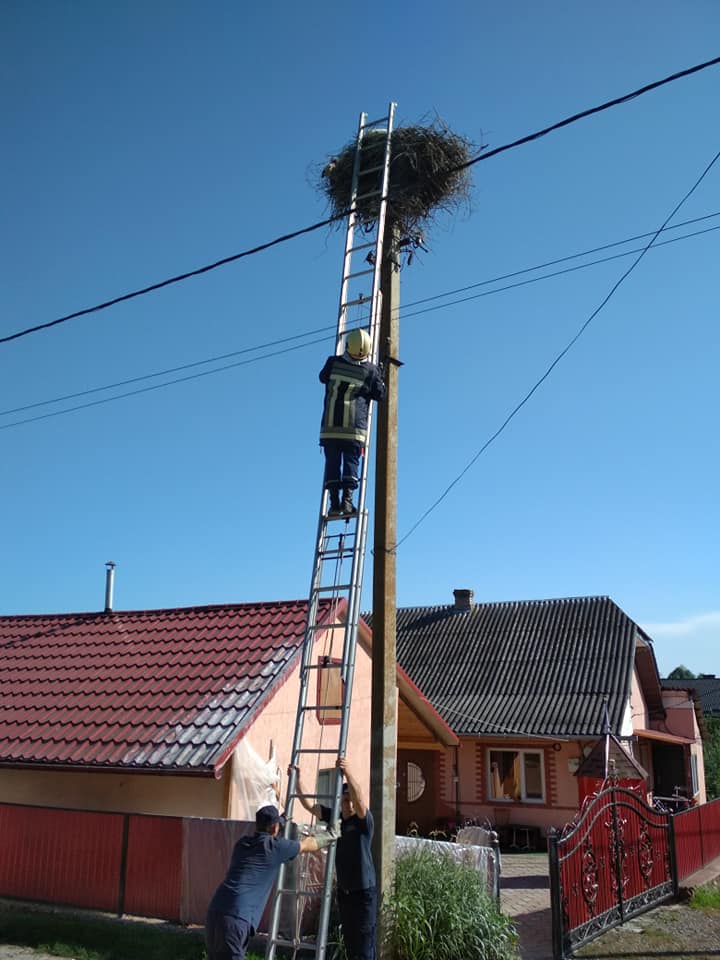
(350, 385)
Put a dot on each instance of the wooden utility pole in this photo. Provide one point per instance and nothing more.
(383, 739)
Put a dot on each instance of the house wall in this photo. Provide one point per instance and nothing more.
(117, 792)
(637, 715)
(681, 720)
(560, 760)
(274, 726)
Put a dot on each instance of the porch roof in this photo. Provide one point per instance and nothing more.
(665, 737)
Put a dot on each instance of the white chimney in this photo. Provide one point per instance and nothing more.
(109, 585)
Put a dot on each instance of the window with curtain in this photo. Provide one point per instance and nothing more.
(516, 775)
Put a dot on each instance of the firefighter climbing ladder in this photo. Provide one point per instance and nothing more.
(339, 557)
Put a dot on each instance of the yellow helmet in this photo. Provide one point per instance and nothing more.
(358, 344)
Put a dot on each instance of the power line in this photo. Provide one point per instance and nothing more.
(175, 279)
(559, 357)
(327, 329)
(163, 373)
(555, 273)
(486, 155)
(571, 256)
(158, 386)
(586, 113)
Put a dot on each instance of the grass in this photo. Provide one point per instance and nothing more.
(439, 910)
(92, 937)
(706, 898)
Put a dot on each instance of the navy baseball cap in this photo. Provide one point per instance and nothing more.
(267, 816)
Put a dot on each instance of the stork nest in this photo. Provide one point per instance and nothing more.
(427, 175)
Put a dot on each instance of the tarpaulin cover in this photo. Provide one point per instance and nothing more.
(254, 782)
(482, 859)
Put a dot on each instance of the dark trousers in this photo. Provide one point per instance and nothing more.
(226, 938)
(357, 915)
(342, 463)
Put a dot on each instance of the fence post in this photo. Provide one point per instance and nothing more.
(123, 865)
(673, 854)
(555, 895)
(617, 850)
(495, 846)
(700, 834)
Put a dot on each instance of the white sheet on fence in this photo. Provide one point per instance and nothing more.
(208, 845)
(478, 836)
(481, 859)
(255, 781)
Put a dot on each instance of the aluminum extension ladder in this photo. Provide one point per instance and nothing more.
(337, 565)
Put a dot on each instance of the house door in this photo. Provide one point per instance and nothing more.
(416, 801)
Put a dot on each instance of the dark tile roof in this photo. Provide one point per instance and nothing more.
(619, 761)
(707, 689)
(154, 689)
(541, 667)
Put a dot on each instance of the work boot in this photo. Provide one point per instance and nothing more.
(347, 504)
(335, 509)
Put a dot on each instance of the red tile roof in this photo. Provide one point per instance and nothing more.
(169, 690)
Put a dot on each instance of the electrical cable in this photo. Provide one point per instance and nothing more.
(168, 370)
(587, 113)
(175, 279)
(571, 256)
(557, 359)
(327, 329)
(158, 386)
(555, 273)
(322, 223)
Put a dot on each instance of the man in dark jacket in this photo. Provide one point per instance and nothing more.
(351, 382)
(238, 903)
(356, 888)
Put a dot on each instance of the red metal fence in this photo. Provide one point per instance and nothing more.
(697, 837)
(149, 866)
(61, 856)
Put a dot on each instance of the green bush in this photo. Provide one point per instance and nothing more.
(439, 910)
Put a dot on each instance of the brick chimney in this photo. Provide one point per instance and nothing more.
(463, 599)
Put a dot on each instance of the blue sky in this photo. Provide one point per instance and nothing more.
(146, 139)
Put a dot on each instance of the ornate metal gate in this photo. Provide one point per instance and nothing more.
(615, 861)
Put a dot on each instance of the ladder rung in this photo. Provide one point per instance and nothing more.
(325, 706)
(366, 196)
(323, 666)
(372, 123)
(315, 750)
(363, 173)
(338, 587)
(300, 893)
(362, 246)
(327, 626)
(335, 554)
(299, 945)
(354, 303)
(315, 796)
(360, 273)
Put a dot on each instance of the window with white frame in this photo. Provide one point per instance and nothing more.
(516, 775)
(694, 773)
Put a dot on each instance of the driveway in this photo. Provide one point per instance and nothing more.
(525, 896)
